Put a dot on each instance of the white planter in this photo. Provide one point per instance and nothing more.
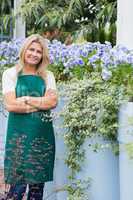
(103, 168)
(126, 164)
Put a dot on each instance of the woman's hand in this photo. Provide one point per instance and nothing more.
(23, 101)
(48, 101)
(17, 105)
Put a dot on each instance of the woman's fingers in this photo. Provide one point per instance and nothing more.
(30, 109)
(21, 101)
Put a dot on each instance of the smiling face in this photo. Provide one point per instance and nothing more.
(33, 54)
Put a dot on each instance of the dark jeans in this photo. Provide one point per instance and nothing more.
(17, 192)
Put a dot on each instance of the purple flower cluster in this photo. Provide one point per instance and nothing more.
(83, 55)
(9, 52)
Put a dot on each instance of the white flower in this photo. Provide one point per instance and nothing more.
(106, 74)
(76, 20)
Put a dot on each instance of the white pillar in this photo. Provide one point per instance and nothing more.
(19, 29)
(125, 23)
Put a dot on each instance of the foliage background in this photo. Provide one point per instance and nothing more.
(91, 20)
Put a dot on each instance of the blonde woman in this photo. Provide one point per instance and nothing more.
(29, 92)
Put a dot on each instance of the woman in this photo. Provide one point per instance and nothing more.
(29, 92)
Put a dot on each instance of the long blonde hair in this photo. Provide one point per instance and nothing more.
(41, 68)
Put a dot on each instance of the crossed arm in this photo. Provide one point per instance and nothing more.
(30, 104)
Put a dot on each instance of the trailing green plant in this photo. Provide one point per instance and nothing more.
(129, 149)
(92, 111)
(129, 145)
(77, 190)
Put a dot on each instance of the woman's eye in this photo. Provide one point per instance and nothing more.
(31, 49)
(39, 52)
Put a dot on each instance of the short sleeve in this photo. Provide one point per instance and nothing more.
(8, 83)
(51, 83)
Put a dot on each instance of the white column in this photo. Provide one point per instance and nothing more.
(19, 29)
(125, 23)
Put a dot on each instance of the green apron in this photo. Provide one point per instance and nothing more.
(30, 141)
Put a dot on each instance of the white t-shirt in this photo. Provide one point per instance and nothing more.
(9, 80)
